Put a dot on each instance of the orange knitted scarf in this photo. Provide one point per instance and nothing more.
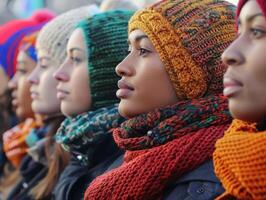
(240, 162)
(15, 146)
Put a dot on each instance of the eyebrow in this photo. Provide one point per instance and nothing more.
(21, 62)
(138, 38)
(251, 18)
(44, 58)
(76, 49)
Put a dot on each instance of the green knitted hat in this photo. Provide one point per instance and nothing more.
(106, 38)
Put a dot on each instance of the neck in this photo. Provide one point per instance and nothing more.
(48, 118)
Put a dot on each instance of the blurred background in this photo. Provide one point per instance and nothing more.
(10, 9)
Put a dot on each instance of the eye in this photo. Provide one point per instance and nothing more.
(43, 66)
(21, 71)
(143, 52)
(75, 60)
(257, 33)
(129, 50)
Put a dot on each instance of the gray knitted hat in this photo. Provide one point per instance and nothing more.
(54, 35)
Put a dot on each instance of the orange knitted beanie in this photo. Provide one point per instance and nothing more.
(190, 36)
(240, 162)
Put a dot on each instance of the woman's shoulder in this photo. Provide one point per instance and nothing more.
(75, 178)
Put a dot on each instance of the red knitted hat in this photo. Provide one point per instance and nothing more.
(241, 3)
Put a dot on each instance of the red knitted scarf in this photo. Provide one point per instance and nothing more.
(160, 147)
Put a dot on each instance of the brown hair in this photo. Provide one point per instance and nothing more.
(5, 112)
(10, 174)
(57, 161)
(10, 177)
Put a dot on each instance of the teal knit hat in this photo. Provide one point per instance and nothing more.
(106, 37)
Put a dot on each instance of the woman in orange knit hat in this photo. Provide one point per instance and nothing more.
(170, 91)
(239, 158)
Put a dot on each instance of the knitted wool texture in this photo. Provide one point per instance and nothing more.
(240, 162)
(35, 135)
(28, 45)
(81, 135)
(15, 146)
(106, 38)
(54, 35)
(13, 32)
(190, 36)
(160, 147)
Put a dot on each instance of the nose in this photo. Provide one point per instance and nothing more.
(33, 77)
(60, 74)
(124, 68)
(233, 55)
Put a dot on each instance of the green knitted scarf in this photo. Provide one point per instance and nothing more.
(81, 134)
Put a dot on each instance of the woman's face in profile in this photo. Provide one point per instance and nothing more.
(245, 78)
(145, 84)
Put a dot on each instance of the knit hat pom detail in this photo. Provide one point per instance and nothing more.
(42, 15)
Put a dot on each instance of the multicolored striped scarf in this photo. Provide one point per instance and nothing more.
(81, 134)
(240, 162)
(161, 146)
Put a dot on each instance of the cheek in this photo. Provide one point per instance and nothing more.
(24, 91)
(153, 89)
(250, 105)
(256, 81)
(79, 84)
(154, 85)
(257, 92)
(24, 108)
(47, 90)
(48, 85)
(148, 78)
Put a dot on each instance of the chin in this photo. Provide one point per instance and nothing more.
(45, 110)
(127, 111)
(71, 111)
(246, 112)
(68, 113)
(246, 116)
(21, 116)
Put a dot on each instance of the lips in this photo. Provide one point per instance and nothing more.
(34, 95)
(125, 89)
(231, 86)
(14, 103)
(61, 93)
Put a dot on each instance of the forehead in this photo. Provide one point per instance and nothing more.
(22, 56)
(41, 52)
(249, 9)
(136, 35)
(76, 40)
